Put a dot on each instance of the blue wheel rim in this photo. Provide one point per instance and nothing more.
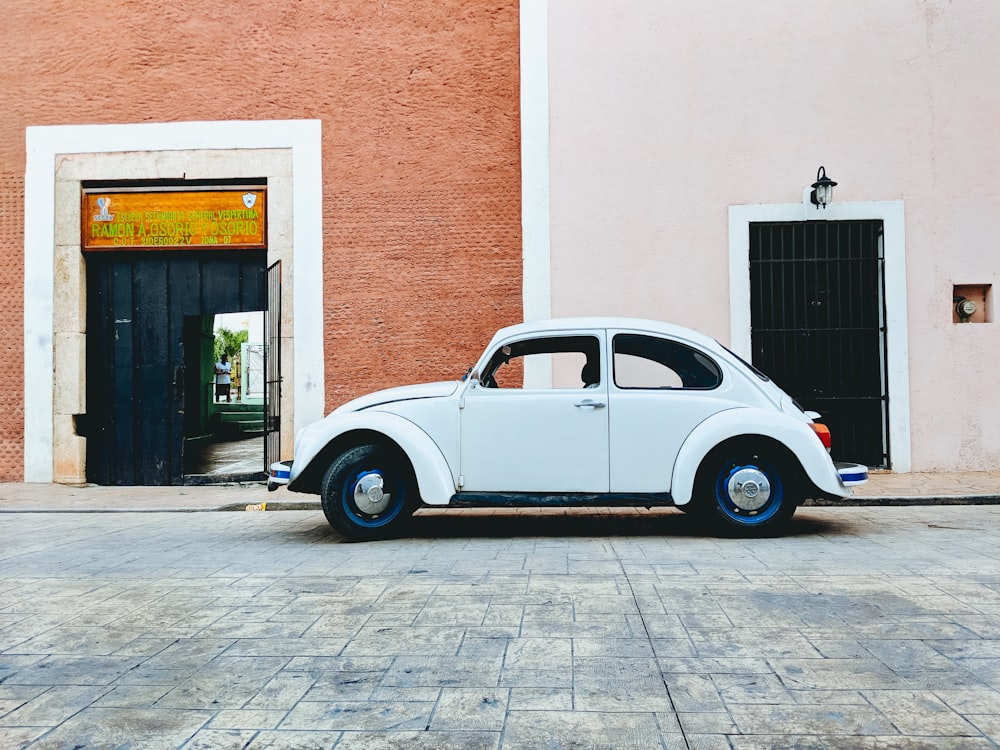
(395, 487)
(739, 515)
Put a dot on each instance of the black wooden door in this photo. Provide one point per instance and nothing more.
(818, 326)
(138, 368)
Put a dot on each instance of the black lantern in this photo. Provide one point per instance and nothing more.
(822, 189)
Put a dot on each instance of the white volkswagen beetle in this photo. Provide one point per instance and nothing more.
(578, 411)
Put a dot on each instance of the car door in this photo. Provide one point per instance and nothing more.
(661, 389)
(531, 424)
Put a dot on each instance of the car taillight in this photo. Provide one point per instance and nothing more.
(823, 433)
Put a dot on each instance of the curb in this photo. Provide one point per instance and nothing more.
(856, 502)
(230, 507)
(865, 502)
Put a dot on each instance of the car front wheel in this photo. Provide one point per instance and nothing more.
(746, 490)
(369, 492)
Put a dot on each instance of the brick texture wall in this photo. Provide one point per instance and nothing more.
(419, 103)
(12, 314)
(422, 281)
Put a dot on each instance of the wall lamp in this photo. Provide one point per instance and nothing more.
(822, 189)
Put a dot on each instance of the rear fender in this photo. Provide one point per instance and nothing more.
(794, 434)
(319, 443)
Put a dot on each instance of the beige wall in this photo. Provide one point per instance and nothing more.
(665, 114)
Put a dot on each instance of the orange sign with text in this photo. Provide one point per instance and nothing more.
(174, 219)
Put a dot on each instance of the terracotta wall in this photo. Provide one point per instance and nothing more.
(419, 105)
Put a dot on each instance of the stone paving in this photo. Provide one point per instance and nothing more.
(864, 627)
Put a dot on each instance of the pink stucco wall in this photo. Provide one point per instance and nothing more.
(663, 114)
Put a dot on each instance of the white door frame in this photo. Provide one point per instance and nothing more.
(46, 145)
(894, 244)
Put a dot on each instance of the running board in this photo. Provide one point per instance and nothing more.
(563, 500)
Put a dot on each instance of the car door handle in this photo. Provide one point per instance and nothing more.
(588, 404)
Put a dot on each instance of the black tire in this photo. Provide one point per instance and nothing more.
(746, 489)
(369, 492)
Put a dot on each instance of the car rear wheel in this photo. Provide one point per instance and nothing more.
(369, 492)
(745, 489)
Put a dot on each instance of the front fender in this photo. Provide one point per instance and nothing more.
(435, 481)
(794, 434)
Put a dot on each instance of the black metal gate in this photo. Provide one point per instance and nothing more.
(818, 326)
(272, 367)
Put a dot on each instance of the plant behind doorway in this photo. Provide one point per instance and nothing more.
(228, 342)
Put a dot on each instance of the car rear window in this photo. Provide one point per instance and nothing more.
(650, 362)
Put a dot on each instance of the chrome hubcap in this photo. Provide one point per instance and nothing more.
(748, 488)
(370, 496)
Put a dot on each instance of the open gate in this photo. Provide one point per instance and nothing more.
(272, 367)
(817, 295)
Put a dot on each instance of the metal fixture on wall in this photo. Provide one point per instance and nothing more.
(822, 189)
(965, 308)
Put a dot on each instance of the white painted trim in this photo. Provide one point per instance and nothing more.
(535, 219)
(892, 216)
(44, 145)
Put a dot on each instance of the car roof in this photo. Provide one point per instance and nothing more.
(556, 325)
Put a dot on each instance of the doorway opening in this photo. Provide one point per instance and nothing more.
(150, 357)
(224, 427)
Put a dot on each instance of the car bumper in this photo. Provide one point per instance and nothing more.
(852, 474)
(278, 475)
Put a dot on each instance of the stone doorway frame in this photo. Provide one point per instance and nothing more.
(891, 214)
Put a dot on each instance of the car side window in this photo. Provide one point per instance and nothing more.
(652, 362)
(567, 362)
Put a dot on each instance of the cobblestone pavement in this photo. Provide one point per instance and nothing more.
(864, 627)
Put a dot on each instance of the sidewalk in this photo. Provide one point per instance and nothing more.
(883, 488)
